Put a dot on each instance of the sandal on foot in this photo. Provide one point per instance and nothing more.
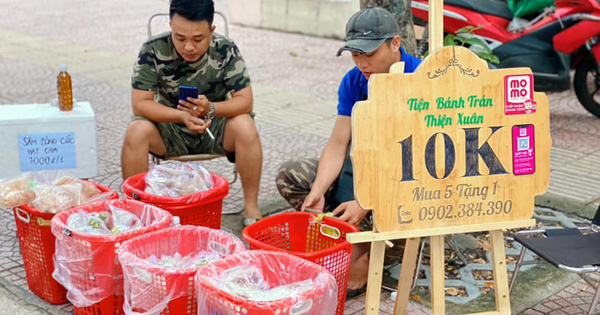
(350, 294)
(249, 221)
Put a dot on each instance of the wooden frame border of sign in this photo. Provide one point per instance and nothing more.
(409, 263)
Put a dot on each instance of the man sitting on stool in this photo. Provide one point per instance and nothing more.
(193, 55)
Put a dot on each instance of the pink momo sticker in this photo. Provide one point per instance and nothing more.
(523, 149)
(518, 94)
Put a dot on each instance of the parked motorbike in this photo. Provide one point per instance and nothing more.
(551, 43)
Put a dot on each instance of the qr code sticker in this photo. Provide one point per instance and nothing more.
(522, 143)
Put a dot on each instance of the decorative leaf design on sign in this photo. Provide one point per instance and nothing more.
(453, 63)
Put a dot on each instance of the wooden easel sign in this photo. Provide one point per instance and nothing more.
(451, 144)
(452, 148)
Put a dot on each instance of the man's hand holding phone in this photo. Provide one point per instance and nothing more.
(197, 106)
(191, 102)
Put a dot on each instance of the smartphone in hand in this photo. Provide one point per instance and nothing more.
(187, 91)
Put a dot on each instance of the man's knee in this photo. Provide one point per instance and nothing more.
(244, 127)
(139, 131)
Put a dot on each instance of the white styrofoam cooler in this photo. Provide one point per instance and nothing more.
(41, 137)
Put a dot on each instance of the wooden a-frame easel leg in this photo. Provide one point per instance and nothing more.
(407, 274)
(438, 295)
(500, 274)
(375, 277)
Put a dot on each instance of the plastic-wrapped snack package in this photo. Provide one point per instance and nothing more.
(124, 221)
(16, 192)
(265, 283)
(175, 179)
(248, 282)
(201, 208)
(204, 174)
(43, 192)
(93, 223)
(159, 267)
(53, 199)
(114, 221)
(86, 264)
(177, 261)
(82, 190)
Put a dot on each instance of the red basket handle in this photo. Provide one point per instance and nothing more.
(20, 212)
(301, 308)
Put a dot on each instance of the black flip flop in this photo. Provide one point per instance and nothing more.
(350, 294)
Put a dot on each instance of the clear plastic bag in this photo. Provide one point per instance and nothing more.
(86, 264)
(16, 192)
(114, 221)
(175, 179)
(47, 191)
(177, 261)
(248, 282)
(53, 199)
(82, 190)
(158, 266)
(265, 283)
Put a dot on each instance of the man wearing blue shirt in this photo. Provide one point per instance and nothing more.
(325, 184)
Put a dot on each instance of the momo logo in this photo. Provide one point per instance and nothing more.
(518, 94)
(519, 88)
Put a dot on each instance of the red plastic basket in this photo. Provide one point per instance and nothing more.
(278, 268)
(202, 209)
(112, 305)
(300, 235)
(150, 288)
(87, 265)
(37, 247)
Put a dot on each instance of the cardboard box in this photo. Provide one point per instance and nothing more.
(36, 137)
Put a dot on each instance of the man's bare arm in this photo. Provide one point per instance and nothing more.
(334, 154)
(144, 105)
(241, 102)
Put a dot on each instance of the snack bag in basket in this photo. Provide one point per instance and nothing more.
(16, 192)
(110, 222)
(176, 179)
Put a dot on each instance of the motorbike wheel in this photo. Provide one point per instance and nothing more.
(587, 86)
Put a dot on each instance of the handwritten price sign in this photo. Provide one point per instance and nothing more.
(47, 151)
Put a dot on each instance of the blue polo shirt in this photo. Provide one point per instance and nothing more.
(354, 84)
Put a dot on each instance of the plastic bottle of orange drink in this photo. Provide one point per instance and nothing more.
(65, 91)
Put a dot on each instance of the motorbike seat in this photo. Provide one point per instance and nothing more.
(491, 7)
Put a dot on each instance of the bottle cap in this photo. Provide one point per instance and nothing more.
(63, 67)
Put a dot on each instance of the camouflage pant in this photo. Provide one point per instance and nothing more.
(181, 141)
(294, 182)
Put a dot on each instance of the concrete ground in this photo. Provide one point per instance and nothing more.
(295, 80)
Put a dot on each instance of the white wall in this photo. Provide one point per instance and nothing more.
(325, 18)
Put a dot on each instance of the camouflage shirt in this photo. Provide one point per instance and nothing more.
(160, 68)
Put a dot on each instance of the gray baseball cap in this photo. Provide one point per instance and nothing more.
(367, 29)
